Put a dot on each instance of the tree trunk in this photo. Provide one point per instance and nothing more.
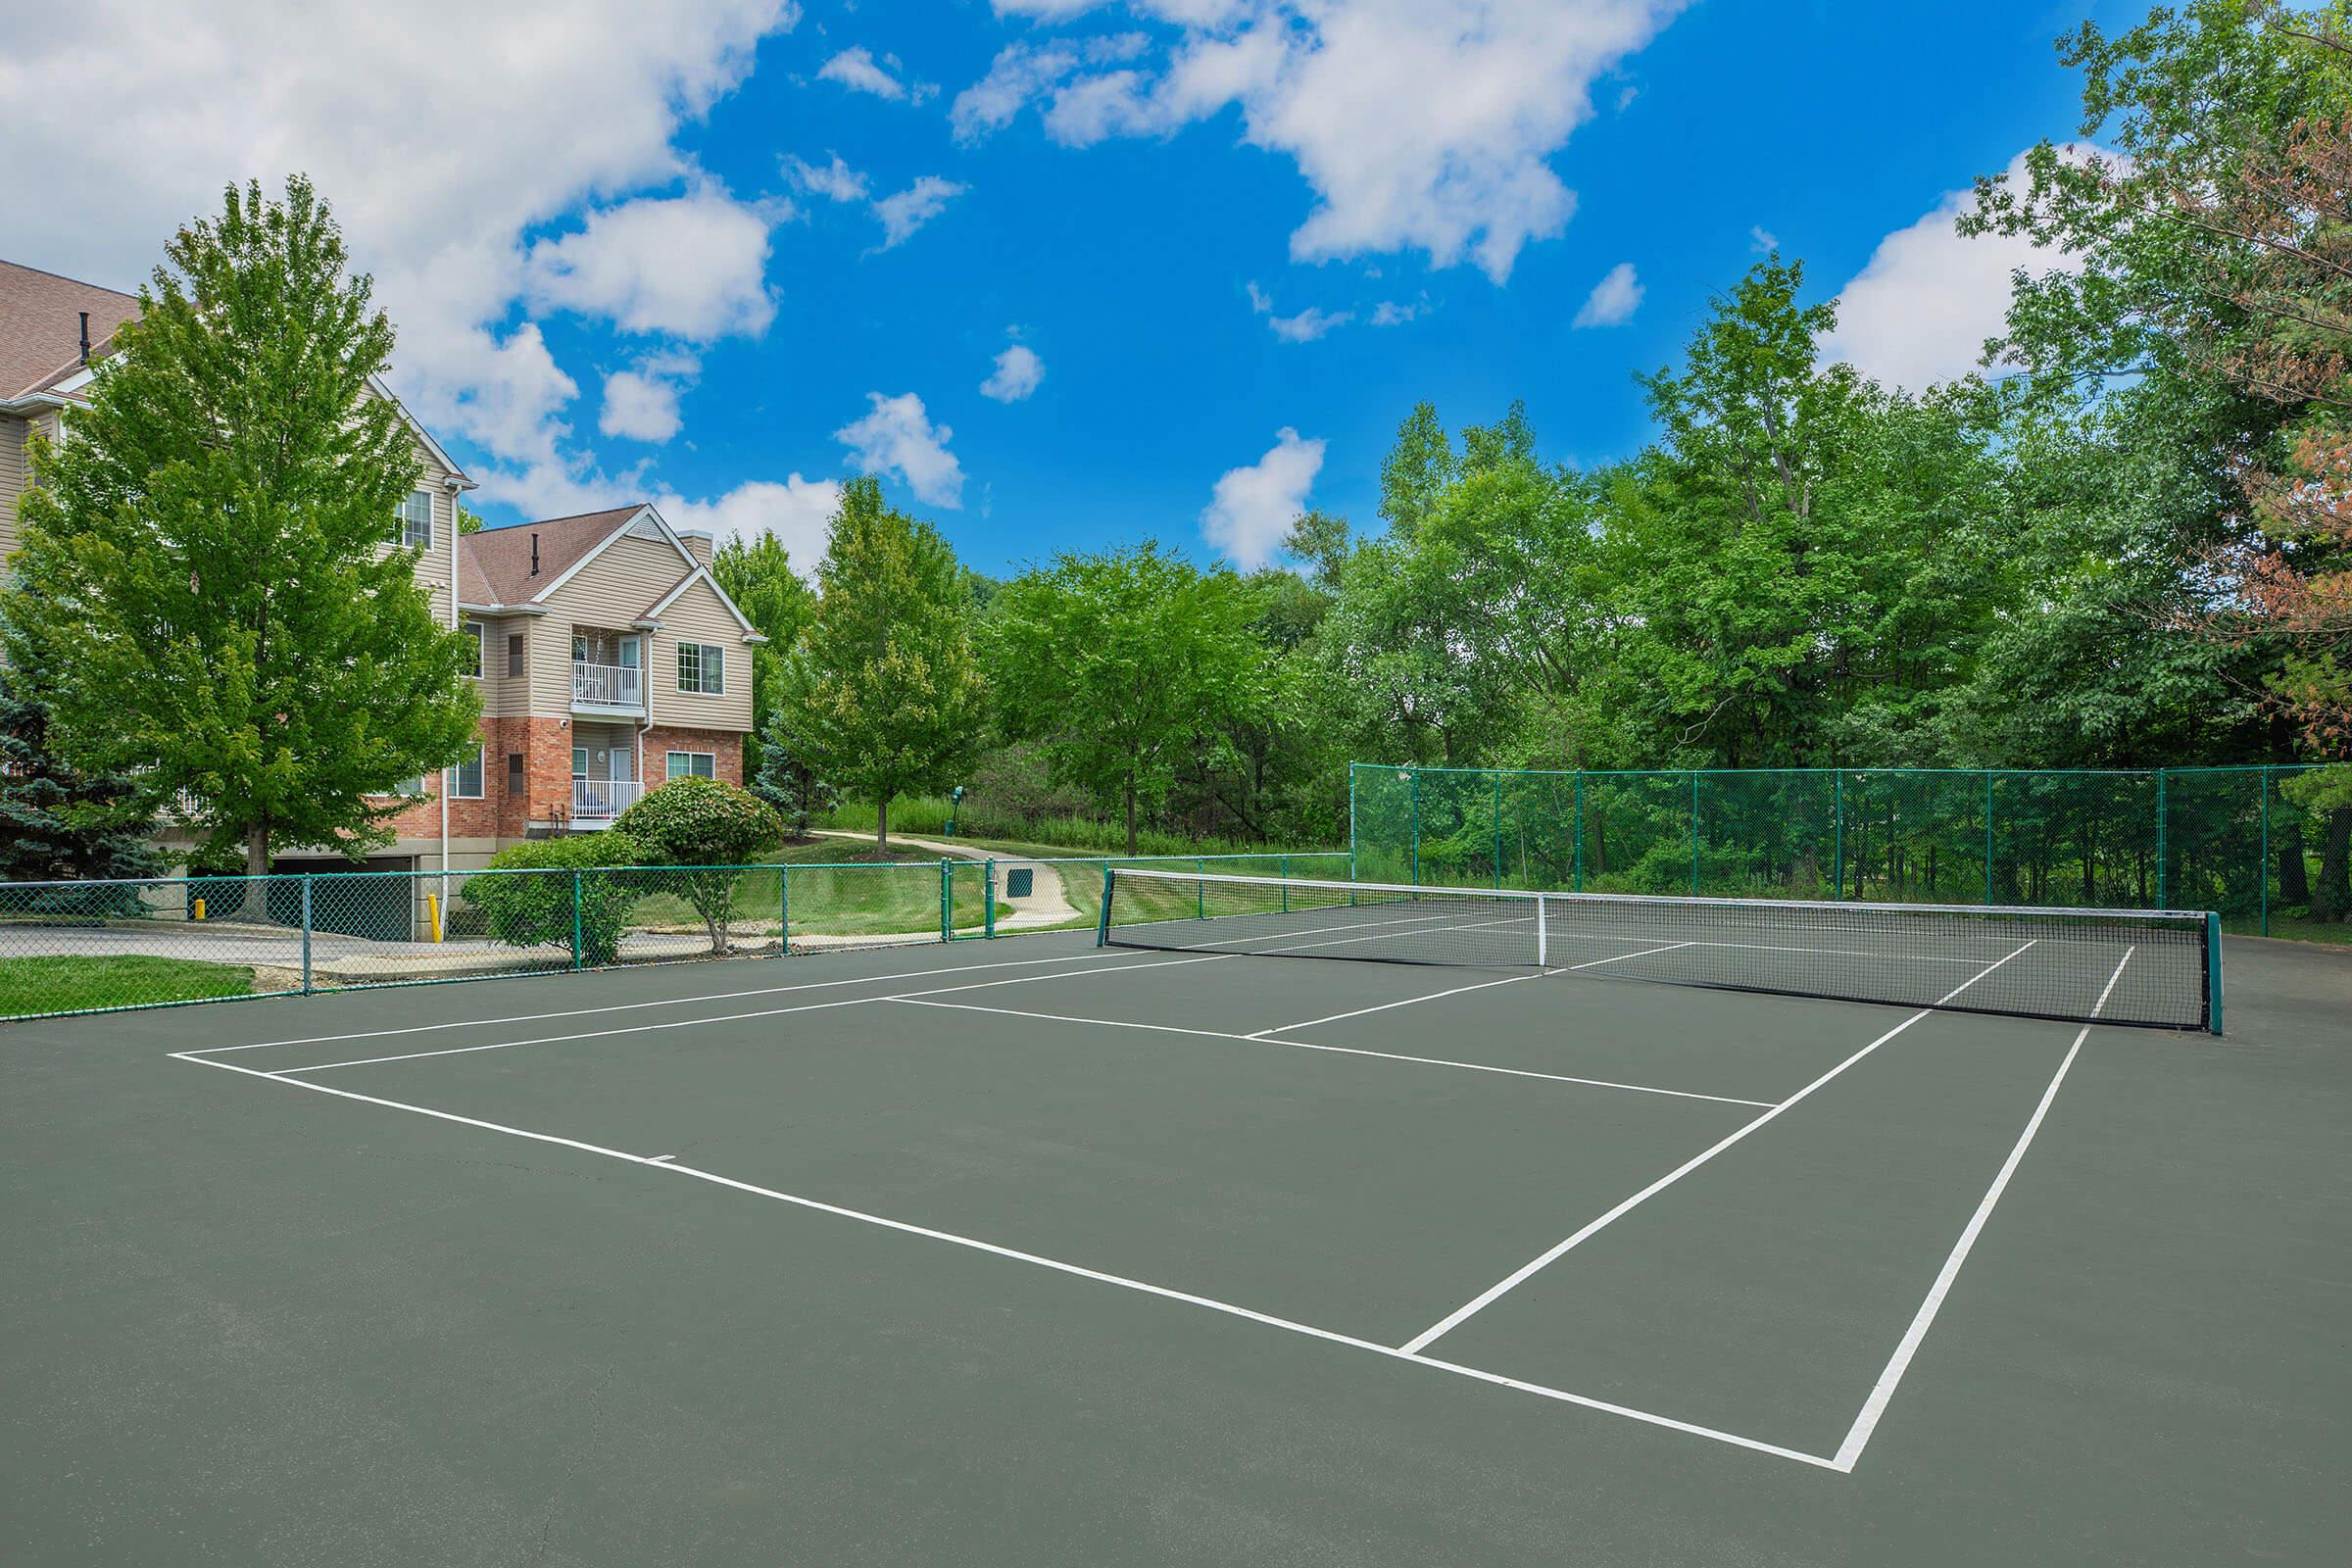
(1131, 816)
(2331, 899)
(252, 903)
(882, 824)
(2294, 876)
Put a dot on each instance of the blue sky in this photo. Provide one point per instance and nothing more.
(724, 256)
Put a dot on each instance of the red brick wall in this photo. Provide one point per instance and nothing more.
(546, 748)
(727, 744)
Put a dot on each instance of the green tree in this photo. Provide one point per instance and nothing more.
(544, 892)
(757, 573)
(790, 788)
(1119, 664)
(711, 829)
(883, 695)
(56, 822)
(205, 572)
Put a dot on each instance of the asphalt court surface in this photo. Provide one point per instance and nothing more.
(957, 1245)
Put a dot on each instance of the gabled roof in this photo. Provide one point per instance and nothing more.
(40, 326)
(494, 565)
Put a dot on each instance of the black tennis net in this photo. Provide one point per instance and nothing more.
(2131, 966)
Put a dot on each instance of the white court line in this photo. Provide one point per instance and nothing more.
(1341, 1050)
(738, 1018)
(1544, 1259)
(1284, 1029)
(1857, 1437)
(736, 995)
(1287, 1325)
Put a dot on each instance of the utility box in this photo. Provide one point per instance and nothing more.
(1019, 882)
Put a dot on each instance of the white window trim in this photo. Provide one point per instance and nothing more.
(454, 779)
(669, 759)
(711, 657)
(403, 792)
(401, 517)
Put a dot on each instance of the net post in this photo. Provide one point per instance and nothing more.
(2213, 970)
(1542, 948)
(2264, 868)
(575, 919)
(1579, 860)
(1285, 868)
(305, 933)
(2161, 890)
(988, 896)
(1103, 920)
(1989, 837)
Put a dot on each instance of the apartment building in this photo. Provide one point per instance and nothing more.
(609, 657)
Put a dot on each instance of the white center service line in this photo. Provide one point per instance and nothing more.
(1544, 1259)
(1339, 1051)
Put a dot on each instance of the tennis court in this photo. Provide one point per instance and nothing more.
(1193, 1249)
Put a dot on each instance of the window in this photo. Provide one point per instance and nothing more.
(514, 655)
(702, 667)
(473, 634)
(415, 528)
(410, 786)
(513, 774)
(692, 764)
(466, 780)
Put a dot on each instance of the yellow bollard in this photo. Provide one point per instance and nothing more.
(199, 908)
(433, 907)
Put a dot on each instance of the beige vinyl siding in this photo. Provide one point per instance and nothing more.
(12, 479)
(501, 696)
(700, 615)
(609, 593)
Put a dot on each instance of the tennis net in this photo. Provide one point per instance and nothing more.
(2131, 966)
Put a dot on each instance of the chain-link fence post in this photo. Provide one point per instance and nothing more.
(1578, 852)
(1498, 828)
(783, 911)
(305, 933)
(1694, 832)
(1414, 775)
(1989, 836)
(2263, 869)
(1284, 874)
(946, 901)
(576, 948)
(988, 896)
(2161, 890)
(1837, 831)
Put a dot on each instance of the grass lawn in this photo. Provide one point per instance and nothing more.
(2298, 928)
(841, 888)
(70, 984)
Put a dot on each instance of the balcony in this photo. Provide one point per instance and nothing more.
(595, 801)
(613, 688)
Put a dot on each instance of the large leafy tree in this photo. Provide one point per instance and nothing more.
(883, 695)
(208, 579)
(1121, 664)
(757, 575)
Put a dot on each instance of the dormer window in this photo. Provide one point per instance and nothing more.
(416, 521)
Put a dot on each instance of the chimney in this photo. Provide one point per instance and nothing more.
(698, 545)
(85, 337)
(534, 552)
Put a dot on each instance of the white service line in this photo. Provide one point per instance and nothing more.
(1544, 1259)
(1341, 1051)
(1857, 1437)
(668, 1164)
(738, 1018)
(1433, 995)
(632, 1007)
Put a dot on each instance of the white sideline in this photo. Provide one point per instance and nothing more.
(1594, 964)
(667, 1162)
(1341, 1050)
(1544, 1259)
(1857, 1437)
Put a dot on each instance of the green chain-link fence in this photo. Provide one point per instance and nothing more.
(78, 947)
(2225, 839)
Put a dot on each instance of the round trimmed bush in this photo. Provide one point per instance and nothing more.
(711, 828)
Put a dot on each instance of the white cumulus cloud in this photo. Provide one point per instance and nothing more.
(1254, 506)
(1017, 371)
(798, 511)
(911, 209)
(1306, 326)
(1613, 299)
(897, 438)
(1419, 124)
(691, 267)
(858, 70)
(836, 182)
(641, 402)
(1920, 311)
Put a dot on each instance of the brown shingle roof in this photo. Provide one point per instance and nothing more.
(40, 324)
(497, 561)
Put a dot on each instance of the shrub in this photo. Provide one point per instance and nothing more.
(712, 827)
(533, 908)
(786, 785)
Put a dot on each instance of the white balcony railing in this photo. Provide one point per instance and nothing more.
(596, 799)
(608, 685)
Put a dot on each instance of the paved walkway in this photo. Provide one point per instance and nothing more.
(1049, 902)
